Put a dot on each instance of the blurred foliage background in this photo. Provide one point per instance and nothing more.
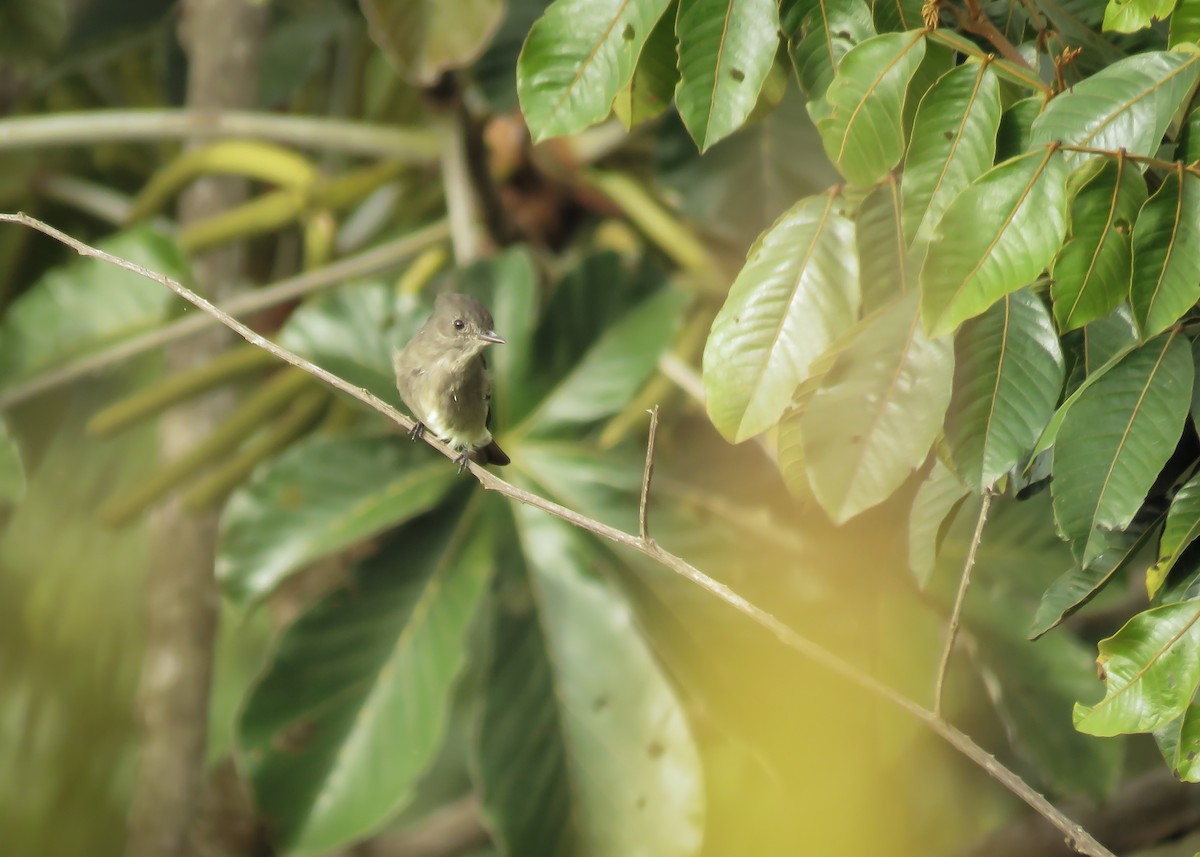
(402, 661)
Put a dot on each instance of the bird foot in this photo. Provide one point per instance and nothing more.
(417, 432)
(464, 458)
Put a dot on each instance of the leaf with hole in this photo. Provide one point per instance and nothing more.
(726, 49)
(578, 56)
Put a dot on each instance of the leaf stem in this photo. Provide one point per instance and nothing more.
(1081, 840)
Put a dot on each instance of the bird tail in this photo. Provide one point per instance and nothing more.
(493, 454)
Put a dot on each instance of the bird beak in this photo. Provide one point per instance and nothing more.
(490, 336)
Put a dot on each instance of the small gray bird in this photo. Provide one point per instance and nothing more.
(445, 382)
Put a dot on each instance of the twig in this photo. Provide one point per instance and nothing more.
(956, 614)
(810, 649)
(87, 128)
(365, 263)
(646, 476)
(974, 20)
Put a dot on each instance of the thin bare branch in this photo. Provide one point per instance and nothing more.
(643, 527)
(960, 741)
(956, 614)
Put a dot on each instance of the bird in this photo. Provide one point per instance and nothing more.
(444, 379)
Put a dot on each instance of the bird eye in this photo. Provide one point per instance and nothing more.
(459, 324)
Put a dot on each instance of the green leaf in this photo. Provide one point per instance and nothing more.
(424, 38)
(861, 119)
(320, 496)
(1008, 374)
(996, 236)
(652, 85)
(1182, 528)
(877, 411)
(348, 332)
(936, 500)
(1105, 338)
(1050, 434)
(87, 305)
(1091, 275)
(887, 267)
(1185, 23)
(616, 766)
(1077, 586)
(1179, 743)
(1129, 16)
(796, 293)
(12, 474)
(352, 708)
(1151, 669)
(726, 48)
(820, 34)
(1076, 23)
(1127, 105)
(612, 371)
(578, 56)
(953, 143)
(1016, 127)
(898, 14)
(1166, 254)
(1115, 440)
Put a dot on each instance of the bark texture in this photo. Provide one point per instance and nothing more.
(222, 40)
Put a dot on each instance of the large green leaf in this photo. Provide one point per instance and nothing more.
(1181, 529)
(797, 292)
(1127, 16)
(652, 85)
(88, 304)
(1179, 743)
(424, 38)
(1151, 669)
(1077, 586)
(320, 496)
(353, 706)
(1090, 276)
(953, 143)
(1116, 438)
(1008, 374)
(935, 501)
(611, 757)
(12, 474)
(348, 332)
(877, 411)
(819, 35)
(1166, 254)
(1185, 23)
(996, 236)
(726, 48)
(861, 118)
(578, 56)
(1127, 105)
(887, 266)
(610, 373)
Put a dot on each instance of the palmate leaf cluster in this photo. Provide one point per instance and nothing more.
(1002, 284)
